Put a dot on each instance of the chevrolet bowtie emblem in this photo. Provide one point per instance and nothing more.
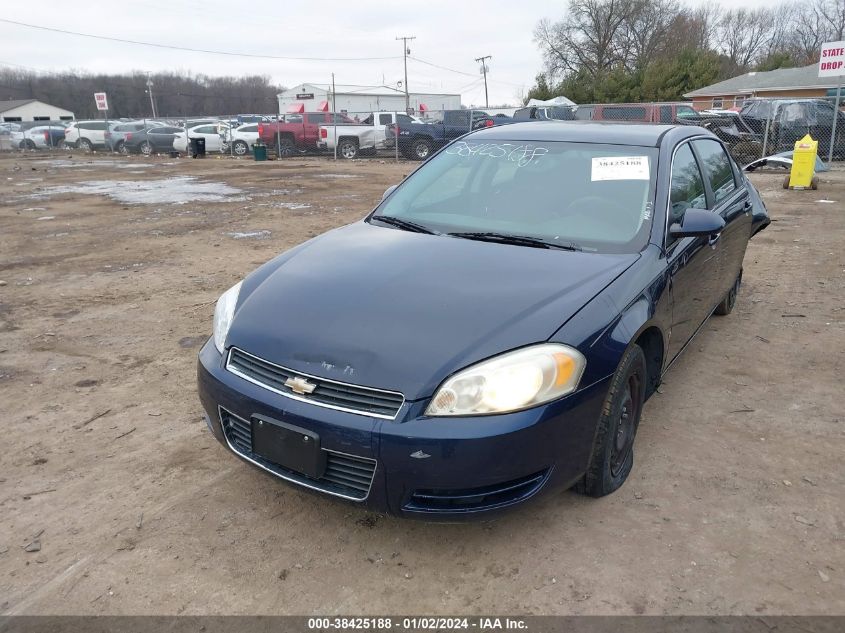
(300, 385)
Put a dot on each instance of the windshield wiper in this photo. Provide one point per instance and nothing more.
(404, 224)
(518, 240)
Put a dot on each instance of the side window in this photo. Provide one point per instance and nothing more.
(687, 187)
(404, 118)
(457, 118)
(717, 168)
(384, 119)
(665, 114)
(250, 128)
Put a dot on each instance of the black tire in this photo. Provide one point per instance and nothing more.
(60, 144)
(613, 451)
(85, 145)
(240, 148)
(121, 148)
(727, 304)
(347, 148)
(146, 148)
(285, 147)
(421, 149)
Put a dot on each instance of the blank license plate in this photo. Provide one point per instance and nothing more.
(288, 446)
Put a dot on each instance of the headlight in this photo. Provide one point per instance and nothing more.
(223, 312)
(515, 380)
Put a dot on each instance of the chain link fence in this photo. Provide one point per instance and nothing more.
(762, 127)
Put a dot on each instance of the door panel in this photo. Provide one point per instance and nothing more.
(731, 200)
(693, 262)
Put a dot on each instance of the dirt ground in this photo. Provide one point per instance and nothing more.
(736, 503)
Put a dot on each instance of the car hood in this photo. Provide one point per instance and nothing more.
(391, 309)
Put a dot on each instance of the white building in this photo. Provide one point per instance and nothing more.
(32, 110)
(358, 99)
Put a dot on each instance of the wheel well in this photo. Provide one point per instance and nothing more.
(651, 342)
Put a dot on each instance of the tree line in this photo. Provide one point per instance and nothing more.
(655, 50)
(175, 95)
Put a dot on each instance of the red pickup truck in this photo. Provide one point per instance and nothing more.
(297, 132)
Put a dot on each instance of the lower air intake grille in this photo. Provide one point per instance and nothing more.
(327, 393)
(346, 476)
(469, 500)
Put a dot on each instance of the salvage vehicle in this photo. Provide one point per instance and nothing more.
(417, 141)
(365, 137)
(298, 132)
(492, 328)
(790, 120)
(669, 112)
(152, 140)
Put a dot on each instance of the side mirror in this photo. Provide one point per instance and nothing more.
(388, 191)
(698, 223)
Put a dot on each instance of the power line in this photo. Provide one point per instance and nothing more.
(461, 72)
(197, 50)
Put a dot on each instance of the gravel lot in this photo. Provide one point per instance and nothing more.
(111, 265)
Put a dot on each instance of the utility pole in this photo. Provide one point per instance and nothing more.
(484, 72)
(150, 92)
(405, 52)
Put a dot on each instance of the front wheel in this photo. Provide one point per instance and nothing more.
(240, 148)
(613, 451)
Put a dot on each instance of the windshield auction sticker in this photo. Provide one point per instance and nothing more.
(620, 168)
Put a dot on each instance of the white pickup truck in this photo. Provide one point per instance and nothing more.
(360, 138)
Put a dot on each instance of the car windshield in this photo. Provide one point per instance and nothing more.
(598, 197)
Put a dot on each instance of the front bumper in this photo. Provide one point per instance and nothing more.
(432, 468)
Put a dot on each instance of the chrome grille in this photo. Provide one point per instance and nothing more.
(347, 476)
(328, 393)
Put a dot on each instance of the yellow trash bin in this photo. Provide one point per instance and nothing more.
(802, 175)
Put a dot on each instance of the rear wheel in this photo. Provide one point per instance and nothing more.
(146, 148)
(121, 148)
(27, 144)
(285, 147)
(421, 149)
(85, 145)
(613, 452)
(241, 148)
(348, 148)
(728, 303)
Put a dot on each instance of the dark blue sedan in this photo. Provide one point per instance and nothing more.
(492, 329)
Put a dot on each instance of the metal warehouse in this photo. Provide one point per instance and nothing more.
(32, 110)
(351, 98)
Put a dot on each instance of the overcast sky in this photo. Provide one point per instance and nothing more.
(450, 34)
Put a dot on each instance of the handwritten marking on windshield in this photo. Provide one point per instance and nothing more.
(522, 155)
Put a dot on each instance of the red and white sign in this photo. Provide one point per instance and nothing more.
(101, 101)
(832, 61)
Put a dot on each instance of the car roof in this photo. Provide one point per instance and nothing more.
(607, 132)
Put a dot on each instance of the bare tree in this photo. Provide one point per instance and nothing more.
(646, 31)
(587, 39)
(832, 13)
(743, 35)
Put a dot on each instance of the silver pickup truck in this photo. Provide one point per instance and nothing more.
(361, 138)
